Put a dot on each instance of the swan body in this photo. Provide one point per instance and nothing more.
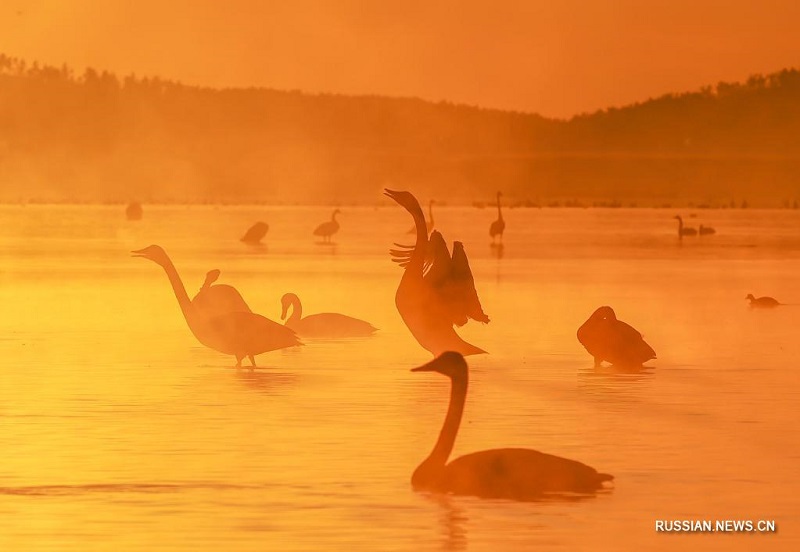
(611, 340)
(213, 300)
(685, 230)
(255, 233)
(706, 230)
(241, 334)
(430, 303)
(498, 226)
(329, 228)
(325, 324)
(509, 473)
(762, 302)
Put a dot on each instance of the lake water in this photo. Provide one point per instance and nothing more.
(120, 432)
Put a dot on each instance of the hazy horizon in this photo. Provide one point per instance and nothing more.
(554, 60)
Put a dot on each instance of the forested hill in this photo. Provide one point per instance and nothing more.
(100, 137)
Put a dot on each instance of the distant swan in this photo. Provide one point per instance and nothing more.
(510, 473)
(429, 224)
(329, 228)
(762, 302)
(255, 234)
(685, 231)
(213, 300)
(609, 339)
(324, 324)
(431, 302)
(706, 230)
(133, 211)
(241, 334)
(499, 226)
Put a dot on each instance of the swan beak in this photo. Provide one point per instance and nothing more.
(138, 253)
(432, 366)
(389, 193)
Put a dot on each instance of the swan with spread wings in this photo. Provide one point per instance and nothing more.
(437, 289)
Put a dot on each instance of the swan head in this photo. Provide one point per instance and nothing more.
(405, 199)
(750, 296)
(604, 313)
(286, 302)
(211, 277)
(449, 363)
(678, 217)
(153, 252)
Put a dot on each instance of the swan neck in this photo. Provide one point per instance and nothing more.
(499, 213)
(447, 437)
(297, 310)
(417, 260)
(180, 291)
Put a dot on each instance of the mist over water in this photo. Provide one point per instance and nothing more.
(120, 431)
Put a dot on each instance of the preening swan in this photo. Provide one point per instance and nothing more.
(499, 226)
(241, 334)
(430, 302)
(685, 230)
(511, 473)
(324, 324)
(614, 341)
(213, 300)
(429, 224)
(762, 302)
(329, 228)
(255, 233)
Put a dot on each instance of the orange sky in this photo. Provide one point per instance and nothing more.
(557, 58)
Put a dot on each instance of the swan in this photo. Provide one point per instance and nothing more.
(706, 230)
(213, 300)
(685, 231)
(430, 303)
(133, 211)
(329, 228)
(324, 324)
(241, 334)
(762, 302)
(429, 224)
(498, 227)
(612, 340)
(510, 473)
(255, 234)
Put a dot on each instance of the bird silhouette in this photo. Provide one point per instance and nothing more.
(434, 295)
(611, 340)
(499, 226)
(685, 230)
(328, 228)
(762, 302)
(213, 300)
(706, 230)
(255, 233)
(324, 324)
(134, 211)
(241, 334)
(510, 473)
(428, 224)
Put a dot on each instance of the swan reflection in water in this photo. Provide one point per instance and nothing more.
(437, 290)
(611, 340)
(510, 473)
(241, 333)
(323, 324)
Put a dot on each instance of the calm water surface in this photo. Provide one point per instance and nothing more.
(120, 432)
